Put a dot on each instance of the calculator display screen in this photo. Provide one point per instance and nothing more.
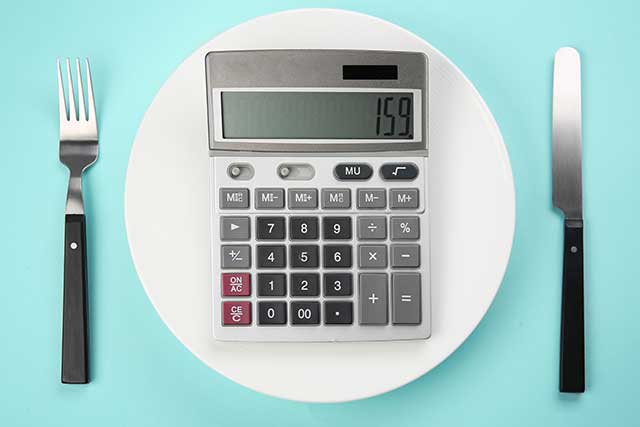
(317, 115)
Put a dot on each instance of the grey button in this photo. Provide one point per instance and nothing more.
(406, 300)
(269, 198)
(336, 198)
(372, 256)
(372, 227)
(236, 256)
(303, 198)
(405, 228)
(234, 198)
(403, 198)
(372, 294)
(407, 256)
(372, 198)
(234, 228)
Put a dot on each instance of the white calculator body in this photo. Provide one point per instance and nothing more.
(319, 204)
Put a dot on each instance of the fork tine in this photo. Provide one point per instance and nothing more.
(92, 106)
(82, 115)
(62, 105)
(72, 101)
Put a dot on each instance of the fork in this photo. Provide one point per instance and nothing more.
(78, 151)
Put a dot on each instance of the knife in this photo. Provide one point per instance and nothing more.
(567, 196)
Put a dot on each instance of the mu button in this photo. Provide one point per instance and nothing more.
(345, 171)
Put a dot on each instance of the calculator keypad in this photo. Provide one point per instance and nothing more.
(296, 256)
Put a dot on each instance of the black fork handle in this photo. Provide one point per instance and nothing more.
(572, 323)
(74, 310)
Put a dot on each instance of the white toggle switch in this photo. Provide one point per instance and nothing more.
(296, 171)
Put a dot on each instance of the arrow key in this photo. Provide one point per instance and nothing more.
(234, 228)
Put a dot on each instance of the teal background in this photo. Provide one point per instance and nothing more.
(506, 372)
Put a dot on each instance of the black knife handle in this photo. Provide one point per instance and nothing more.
(74, 309)
(572, 323)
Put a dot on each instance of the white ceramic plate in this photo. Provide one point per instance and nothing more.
(472, 218)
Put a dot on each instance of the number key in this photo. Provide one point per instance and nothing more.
(304, 256)
(337, 256)
(272, 285)
(338, 284)
(270, 227)
(272, 313)
(305, 313)
(305, 285)
(303, 228)
(271, 256)
(336, 227)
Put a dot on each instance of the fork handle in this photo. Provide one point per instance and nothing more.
(74, 310)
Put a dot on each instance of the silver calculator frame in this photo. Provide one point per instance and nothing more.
(315, 70)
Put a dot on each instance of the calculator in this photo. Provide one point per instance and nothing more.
(319, 205)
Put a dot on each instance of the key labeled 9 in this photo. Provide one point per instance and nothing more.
(336, 227)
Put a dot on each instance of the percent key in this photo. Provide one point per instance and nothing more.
(405, 228)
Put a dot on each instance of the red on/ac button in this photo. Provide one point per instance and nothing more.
(236, 313)
(236, 284)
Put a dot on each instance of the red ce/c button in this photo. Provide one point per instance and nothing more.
(236, 313)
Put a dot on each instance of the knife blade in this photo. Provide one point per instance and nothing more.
(567, 196)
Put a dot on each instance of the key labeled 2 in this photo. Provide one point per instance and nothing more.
(305, 284)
